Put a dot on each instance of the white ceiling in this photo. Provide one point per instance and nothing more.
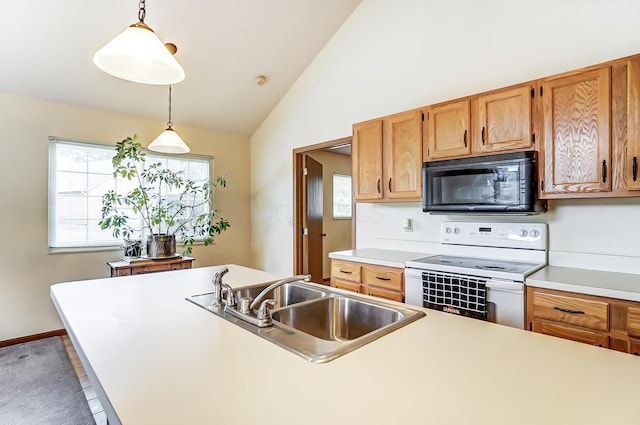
(47, 48)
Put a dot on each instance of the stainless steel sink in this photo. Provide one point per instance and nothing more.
(319, 323)
(337, 318)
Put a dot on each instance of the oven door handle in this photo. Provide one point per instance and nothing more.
(497, 285)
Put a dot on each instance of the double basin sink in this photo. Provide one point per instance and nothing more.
(316, 322)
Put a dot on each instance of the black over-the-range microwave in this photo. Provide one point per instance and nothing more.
(491, 184)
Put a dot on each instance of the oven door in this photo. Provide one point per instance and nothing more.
(505, 299)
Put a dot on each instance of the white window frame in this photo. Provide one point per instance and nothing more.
(109, 242)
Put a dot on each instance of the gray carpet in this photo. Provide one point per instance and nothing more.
(38, 386)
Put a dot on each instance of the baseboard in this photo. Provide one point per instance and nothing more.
(28, 338)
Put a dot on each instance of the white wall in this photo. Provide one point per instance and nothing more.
(27, 269)
(394, 56)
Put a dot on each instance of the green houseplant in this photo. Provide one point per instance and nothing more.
(166, 205)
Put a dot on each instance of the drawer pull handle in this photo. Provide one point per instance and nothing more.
(383, 278)
(634, 168)
(566, 310)
(345, 271)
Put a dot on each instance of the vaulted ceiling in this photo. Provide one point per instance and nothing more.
(223, 45)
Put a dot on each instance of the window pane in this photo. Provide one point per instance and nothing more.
(342, 196)
(81, 173)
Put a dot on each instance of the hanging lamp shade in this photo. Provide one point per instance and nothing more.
(169, 142)
(138, 55)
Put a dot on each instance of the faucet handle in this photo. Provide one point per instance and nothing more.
(263, 312)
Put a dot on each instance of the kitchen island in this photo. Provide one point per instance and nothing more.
(156, 358)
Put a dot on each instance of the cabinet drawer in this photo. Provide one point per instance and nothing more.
(345, 284)
(384, 277)
(154, 268)
(574, 311)
(634, 348)
(345, 270)
(574, 334)
(633, 322)
(384, 293)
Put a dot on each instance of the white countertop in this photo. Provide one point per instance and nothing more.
(624, 286)
(162, 360)
(381, 257)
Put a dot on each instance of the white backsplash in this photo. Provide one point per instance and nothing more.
(598, 234)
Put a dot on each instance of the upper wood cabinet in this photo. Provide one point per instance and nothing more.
(446, 130)
(387, 158)
(502, 120)
(585, 125)
(366, 158)
(632, 154)
(576, 141)
(402, 149)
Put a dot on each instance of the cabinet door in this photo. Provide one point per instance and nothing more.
(632, 160)
(576, 142)
(574, 334)
(634, 348)
(403, 156)
(502, 120)
(633, 322)
(446, 130)
(367, 160)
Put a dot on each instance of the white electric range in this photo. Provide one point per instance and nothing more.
(481, 270)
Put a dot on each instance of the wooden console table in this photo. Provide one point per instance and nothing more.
(146, 265)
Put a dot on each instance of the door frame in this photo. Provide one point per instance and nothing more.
(298, 192)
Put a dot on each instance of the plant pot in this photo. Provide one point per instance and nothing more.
(161, 246)
(132, 248)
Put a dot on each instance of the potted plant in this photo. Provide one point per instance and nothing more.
(167, 206)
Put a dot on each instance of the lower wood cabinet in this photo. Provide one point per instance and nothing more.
(370, 279)
(600, 321)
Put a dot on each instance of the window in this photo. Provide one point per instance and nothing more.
(79, 174)
(342, 196)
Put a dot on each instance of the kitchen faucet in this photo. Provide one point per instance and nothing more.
(262, 318)
(274, 285)
(219, 288)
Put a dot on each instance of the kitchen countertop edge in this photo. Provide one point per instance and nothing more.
(624, 286)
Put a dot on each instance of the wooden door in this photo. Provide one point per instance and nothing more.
(631, 166)
(313, 219)
(402, 149)
(502, 120)
(366, 160)
(446, 130)
(576, 143)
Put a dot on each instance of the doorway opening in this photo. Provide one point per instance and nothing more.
(324, 211)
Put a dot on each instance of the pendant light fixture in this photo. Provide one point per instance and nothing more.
(168, 141)
(138, 55)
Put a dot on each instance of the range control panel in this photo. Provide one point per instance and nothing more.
(503, 235)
